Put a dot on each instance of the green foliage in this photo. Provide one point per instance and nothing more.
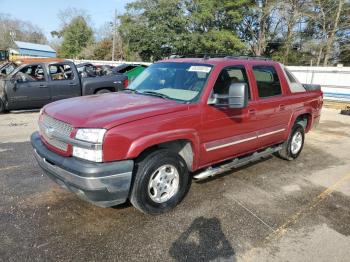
(156, 28)
(101, 50)
(76, 36)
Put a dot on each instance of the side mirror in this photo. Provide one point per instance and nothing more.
(237, 97)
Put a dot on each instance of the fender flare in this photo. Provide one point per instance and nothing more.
(143, 143)
(298, 113)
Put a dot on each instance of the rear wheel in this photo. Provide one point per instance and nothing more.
(161, 182)
(103, 91)
(292, 148)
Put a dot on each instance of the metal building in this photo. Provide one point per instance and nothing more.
(36, 50)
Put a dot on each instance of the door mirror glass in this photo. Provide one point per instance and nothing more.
(237, 97)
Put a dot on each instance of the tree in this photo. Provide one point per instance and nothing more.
(333, 29)
(261, 25)
(20, 30)
(76, 36)
(157, 28)
(327, 28)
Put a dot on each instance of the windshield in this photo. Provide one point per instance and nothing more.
(8, 69)
(178, 81)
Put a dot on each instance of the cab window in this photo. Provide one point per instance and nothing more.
(228, 76)
(267, 81)
(61, 72)
(31, 73)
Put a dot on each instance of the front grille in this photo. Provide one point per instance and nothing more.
(59, 127)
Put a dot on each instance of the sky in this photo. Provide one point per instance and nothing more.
(43, 13)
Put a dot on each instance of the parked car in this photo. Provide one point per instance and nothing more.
(34, 85)
(130, 70)
(181, 118)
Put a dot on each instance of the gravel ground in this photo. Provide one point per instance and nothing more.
(272, 210)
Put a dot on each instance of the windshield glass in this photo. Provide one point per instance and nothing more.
(178, 81)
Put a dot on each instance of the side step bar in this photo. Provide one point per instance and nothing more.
(235, 163)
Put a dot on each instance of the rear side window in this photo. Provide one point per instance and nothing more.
(267, 81)
(290, 77)
(61, 72)
(294, 85)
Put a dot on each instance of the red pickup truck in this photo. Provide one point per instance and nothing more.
(180, 119)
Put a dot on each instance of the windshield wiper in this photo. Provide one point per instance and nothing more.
(152, 93)
(131, 90)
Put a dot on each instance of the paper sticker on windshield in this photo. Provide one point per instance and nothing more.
(202, 69)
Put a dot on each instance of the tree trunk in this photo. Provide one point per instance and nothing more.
(330, 39)
(262, 34)
(288, 42)
(319, 57)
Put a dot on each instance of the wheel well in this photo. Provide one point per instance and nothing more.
(112, 89)
(304, 120)
(181, 147)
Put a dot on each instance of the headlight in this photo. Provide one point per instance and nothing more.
(91, 135)
(94, 136)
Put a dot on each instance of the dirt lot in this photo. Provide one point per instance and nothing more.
(268, 211)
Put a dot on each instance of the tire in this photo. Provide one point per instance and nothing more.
(151, 168)
(103, 91)
(288, 151)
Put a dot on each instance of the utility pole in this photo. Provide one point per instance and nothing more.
(114, 36)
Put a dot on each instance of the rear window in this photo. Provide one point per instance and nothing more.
(267, 81)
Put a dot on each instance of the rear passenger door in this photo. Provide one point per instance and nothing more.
(64, 81)
(272, 111)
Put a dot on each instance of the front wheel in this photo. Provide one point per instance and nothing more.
(161, 182)
(291, 148)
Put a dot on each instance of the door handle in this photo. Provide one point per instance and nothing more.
(42, 86)
(72, 84)
(252, 112)
(282, 107)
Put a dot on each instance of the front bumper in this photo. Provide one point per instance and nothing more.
(103, 184)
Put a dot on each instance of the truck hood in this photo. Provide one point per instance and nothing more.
(110, 110)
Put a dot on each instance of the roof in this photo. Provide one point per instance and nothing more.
(32, 46)
(220, 60)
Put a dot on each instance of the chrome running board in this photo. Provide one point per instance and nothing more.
(235, 163)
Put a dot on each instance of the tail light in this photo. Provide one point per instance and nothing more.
(126, 83)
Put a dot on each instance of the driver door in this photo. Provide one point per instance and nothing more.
(228, 132)
(28, 88)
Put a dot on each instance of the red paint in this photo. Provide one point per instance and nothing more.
(137, 122)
